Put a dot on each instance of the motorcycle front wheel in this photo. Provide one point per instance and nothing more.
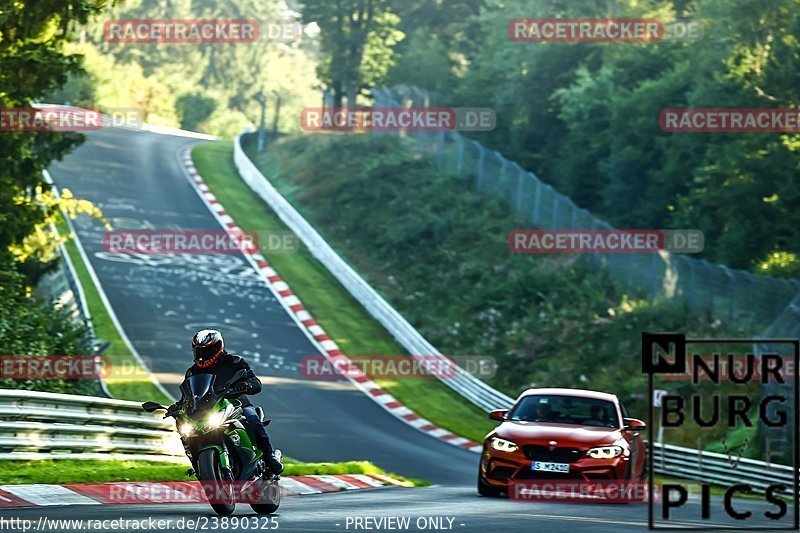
(209, 472)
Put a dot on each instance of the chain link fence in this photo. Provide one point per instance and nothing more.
(741, 299)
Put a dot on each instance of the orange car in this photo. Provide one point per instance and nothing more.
(562, 434)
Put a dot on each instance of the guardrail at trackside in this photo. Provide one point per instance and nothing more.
(719, 469)
(43, 425)
(471, 388)
(47, 425)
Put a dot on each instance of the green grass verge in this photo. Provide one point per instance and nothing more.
(127, 381)
(64, 471)
(344, 319)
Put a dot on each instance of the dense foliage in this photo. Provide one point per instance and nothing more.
(28, 328)
(356, 44)
(584, 116)
(436, 250)
(32, 37)
(208, 87)
(33, 63)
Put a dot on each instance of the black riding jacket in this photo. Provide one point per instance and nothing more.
(224, 369)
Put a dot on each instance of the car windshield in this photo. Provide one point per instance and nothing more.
(573, 410)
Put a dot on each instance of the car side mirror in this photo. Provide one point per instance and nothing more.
(499, 415)
(151, 407)
(634, 424)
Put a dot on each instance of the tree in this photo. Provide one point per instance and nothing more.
(32, 63)
(357, 39)
(230, 74)
(584, 116)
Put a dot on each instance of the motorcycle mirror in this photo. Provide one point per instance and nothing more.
(152, 406)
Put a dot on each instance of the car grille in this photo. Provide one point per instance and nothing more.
(500, 472)
(536, 452)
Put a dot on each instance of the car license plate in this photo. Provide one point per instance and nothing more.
(550, 467)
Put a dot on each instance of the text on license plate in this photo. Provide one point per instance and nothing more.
(549, 467)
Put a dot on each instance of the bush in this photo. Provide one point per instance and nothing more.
(29, 328)
(193, 109)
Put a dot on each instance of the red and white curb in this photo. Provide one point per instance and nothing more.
(313, 330)
(172, 491)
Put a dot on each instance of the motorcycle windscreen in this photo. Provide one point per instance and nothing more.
(198, 392)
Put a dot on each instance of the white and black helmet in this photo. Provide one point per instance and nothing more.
(207, 346)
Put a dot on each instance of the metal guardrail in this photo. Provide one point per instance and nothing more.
(36, 425)
(465, 384)
(42, 425)
(717, 468)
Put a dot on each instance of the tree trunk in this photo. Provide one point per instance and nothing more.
(337, 94)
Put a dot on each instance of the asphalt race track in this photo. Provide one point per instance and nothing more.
(161, 300)
(138, 181)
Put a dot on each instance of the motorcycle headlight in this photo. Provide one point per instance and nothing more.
(186, 429)
(504, 445)
(215, 420)
(605, 452)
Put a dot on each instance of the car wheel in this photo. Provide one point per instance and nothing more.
(484, 489)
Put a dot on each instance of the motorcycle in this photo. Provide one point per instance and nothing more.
(221, 446)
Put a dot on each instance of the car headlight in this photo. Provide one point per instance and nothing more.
(186, 429)
(605, 452)
(215, 420)
(504, 445)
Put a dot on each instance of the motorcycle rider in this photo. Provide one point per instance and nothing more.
(210, 357)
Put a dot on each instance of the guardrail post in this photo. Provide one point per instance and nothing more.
(538, 195)
(502, 174)
(520, 176)
(731, 292)
(699, 455)
(556, 198)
